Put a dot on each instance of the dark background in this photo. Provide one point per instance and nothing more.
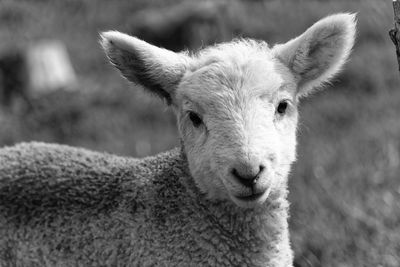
(345, 186)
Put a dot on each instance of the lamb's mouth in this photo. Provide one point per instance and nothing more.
(251, 197)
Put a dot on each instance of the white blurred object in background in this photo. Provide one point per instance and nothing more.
(49, 67)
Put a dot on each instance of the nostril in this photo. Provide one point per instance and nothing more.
(261, 168)
(236, 173)
(246, 181)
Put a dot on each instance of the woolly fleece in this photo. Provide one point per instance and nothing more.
(64, 206)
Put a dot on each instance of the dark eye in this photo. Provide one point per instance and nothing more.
(195, 119)
(282, 106)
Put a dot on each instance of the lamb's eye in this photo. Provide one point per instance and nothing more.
(282, 107)
(196, 120)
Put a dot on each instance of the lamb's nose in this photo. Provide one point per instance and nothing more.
(248, 175)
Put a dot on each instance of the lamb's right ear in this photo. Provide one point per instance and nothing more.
(157, 69)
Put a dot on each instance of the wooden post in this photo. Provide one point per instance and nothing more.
(395, 33)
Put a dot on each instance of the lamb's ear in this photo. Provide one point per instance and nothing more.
(157, 69)
(319, 53)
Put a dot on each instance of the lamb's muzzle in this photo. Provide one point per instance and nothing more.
(255, 183)
(250, 177)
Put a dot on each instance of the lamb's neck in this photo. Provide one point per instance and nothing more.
(263, 230)
(262, 223)
(257, 236)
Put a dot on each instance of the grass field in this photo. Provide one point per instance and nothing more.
(345, 186)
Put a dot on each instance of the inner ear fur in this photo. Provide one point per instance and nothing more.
(156, 69)
(320, 52)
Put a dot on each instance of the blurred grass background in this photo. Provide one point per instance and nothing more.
(345, 186)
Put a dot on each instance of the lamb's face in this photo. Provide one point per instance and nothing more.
(237, 116)
(236, 102)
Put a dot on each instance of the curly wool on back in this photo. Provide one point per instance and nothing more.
(63, 206)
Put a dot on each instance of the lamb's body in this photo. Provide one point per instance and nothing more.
(62, 206)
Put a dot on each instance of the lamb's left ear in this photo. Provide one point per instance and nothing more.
(319, 53)
(156, 69)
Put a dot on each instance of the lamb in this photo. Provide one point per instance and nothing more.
(218, 200)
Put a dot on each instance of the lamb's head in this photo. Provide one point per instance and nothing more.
(236, 102)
